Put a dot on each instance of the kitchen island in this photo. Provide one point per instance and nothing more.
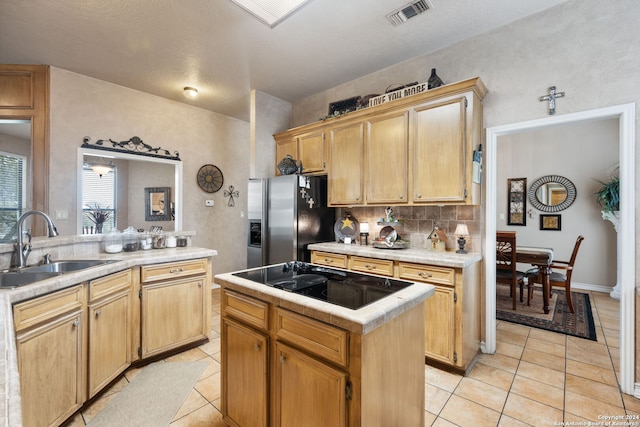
(290, 359)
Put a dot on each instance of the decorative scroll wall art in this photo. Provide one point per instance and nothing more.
(134, 145)
(517, 201)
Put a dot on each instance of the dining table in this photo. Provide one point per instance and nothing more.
(542, 259)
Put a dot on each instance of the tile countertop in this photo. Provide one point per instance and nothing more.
(361, 321)
(419, 256)
(10, 409)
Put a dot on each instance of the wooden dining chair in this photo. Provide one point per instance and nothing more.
(560, 279)
(506, 272)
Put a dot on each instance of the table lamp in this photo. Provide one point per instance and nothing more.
(364, 233)
(461, 232)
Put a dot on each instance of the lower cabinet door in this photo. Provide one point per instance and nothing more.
(440, 325)
(50, 360)
(173, 314)
(307, 391)
(245, 359)
(109, 340)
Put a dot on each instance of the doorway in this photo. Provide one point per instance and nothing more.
(626, 116)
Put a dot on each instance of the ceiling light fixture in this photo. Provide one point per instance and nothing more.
(101, 168)
(190, 92)
(271, 12)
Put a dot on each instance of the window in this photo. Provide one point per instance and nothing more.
(12, 193)
(99, 192)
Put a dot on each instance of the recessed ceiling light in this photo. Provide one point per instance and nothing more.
(271, 12)
(190, 92)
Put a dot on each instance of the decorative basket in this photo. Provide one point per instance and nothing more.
(288, 165)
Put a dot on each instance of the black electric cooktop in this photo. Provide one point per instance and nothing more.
(345, 288)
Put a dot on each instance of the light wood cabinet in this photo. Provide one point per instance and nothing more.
(346, 165)
(307, 392)
(452, 314)
(246, 355)
(110, 329)
(287, 146)
(317, 374)
(175, 305)
(440, 152)
(381, 267)
(416, 150)
(50, 339)
(329, 259)
(312, 152)
(387, 157)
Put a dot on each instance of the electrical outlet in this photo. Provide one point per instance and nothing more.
(208, 203)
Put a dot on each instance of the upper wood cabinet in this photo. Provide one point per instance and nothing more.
(346, 164)
(284, 147)
(416, 150)
(439, 152)
(312, 152)
(386, 154)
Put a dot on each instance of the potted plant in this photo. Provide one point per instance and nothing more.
(608, 196)
(98, 216)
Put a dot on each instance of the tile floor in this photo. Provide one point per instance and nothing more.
(536, 378)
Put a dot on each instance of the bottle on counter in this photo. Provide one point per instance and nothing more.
(113, 242)
(145, 241)
(171, 240)
(130, 239)
(159, 240)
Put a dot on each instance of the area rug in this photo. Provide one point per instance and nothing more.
(153, 397)
(559, 319)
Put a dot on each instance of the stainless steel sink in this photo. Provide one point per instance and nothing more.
(15, 279)
(66, 266)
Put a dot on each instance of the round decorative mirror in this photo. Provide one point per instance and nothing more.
(552, 193)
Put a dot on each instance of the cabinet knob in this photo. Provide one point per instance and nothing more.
(370, 266)
(419, 196)
(76, 323)
(327, 260)
(401, 197)
(98, 312)
(423, 274)
(358, 198)
(257, 347)
(282, 358)
(176, 270)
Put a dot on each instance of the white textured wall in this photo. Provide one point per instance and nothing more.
(269, 115)
(83, 106)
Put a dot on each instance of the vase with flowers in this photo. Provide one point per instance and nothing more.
(98, 216)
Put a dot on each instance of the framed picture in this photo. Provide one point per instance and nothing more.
(517, 201)
(551, 222)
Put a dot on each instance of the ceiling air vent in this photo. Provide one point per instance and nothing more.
(408, 11)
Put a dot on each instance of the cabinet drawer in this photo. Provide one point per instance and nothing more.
(316, 337)
(170, 270)
(109, 284)
(427, 273)
(329, 259)
(247, 309)
(38, 310)
(382, 267)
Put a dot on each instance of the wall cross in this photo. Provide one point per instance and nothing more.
(551, 97)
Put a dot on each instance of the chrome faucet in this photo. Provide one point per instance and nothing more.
(22, 250)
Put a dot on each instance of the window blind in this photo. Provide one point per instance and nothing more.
(12, 193)
(99, 191)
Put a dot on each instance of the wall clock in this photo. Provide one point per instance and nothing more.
(210, 178)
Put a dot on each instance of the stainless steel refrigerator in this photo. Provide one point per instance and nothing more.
(285, 214)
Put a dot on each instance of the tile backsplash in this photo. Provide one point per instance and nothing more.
(415, 223)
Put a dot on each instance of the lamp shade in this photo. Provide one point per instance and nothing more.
(364, 227)
(462, 230)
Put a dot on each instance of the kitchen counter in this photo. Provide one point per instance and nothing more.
(361, 321)
(10, 409)
(419, 256)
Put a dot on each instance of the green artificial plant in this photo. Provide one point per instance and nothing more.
(608, 196)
